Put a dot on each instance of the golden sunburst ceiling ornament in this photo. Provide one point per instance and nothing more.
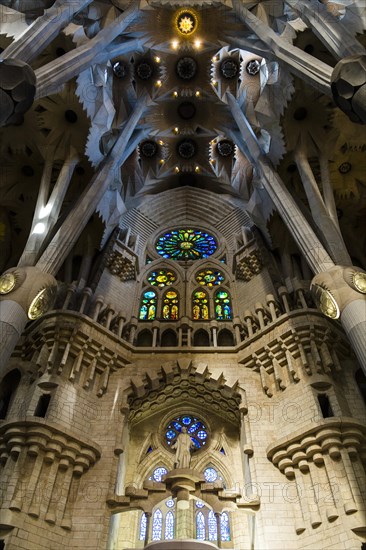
(186, 22)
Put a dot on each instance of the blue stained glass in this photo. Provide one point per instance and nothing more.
(186, 244)
(212, 526)
(199, 504)
(223, 305)
(157, 525)
(148, 306)
(225, 527)
(169, 503)
(169, 526)
(194, 427)
(200, 526)
(158, 473)
(210, 474)
(143, 526)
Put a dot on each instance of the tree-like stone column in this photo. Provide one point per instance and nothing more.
(54, 74)
(350, 299)
(14, 311)
(309, 68)
(43, 30)
(334, 34)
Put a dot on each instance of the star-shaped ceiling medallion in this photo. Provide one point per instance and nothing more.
(186, 22)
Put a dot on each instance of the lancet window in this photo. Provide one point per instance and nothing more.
(200, 305)
(148, 306)
(170, 309)
(223, 310)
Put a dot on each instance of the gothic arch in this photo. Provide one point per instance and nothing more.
(144, 338)
(201, 337)
(187, 380)
(169, 338)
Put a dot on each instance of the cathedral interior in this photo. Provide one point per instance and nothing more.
(183, 274)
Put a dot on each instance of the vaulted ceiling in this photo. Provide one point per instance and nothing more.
(185, 59)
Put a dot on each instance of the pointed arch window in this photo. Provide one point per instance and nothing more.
(170, 305)
(225, 527)
(157, 525)
(212, 526)
(223, 311)
(200, 526)
(169, 526)
(148, 306)
(143, 527)
(200, 305)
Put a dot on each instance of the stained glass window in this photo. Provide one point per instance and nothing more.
(170, 305)
(200, 526)
(223, 310)
(210, 475)
(186, 244)
(158, 473)
(148, 306)
(212, 526)
(200, 305)
(161, 278)
(157, 525)
(209, 277)
(195, 428)
(169, 503)
(225, 527)
(200, 504)
(143, 526)
(169, 526)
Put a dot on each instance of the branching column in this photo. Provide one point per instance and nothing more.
(13, 320)
(351, 301)
(300, 63)
(44, 29)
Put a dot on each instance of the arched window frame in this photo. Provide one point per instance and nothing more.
(153, 304)
(142, 526)
(206, 523)
(157, 525)
(222, 317)
(198, 305)
(169, 525)
(225, 527)
(165, 301)
(201, 530)
(167, 520)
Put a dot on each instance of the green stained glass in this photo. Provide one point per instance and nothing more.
(162, 277)
(209, 277)
(148, 306)
(200, 305)
(186, 244)
(223, 310)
